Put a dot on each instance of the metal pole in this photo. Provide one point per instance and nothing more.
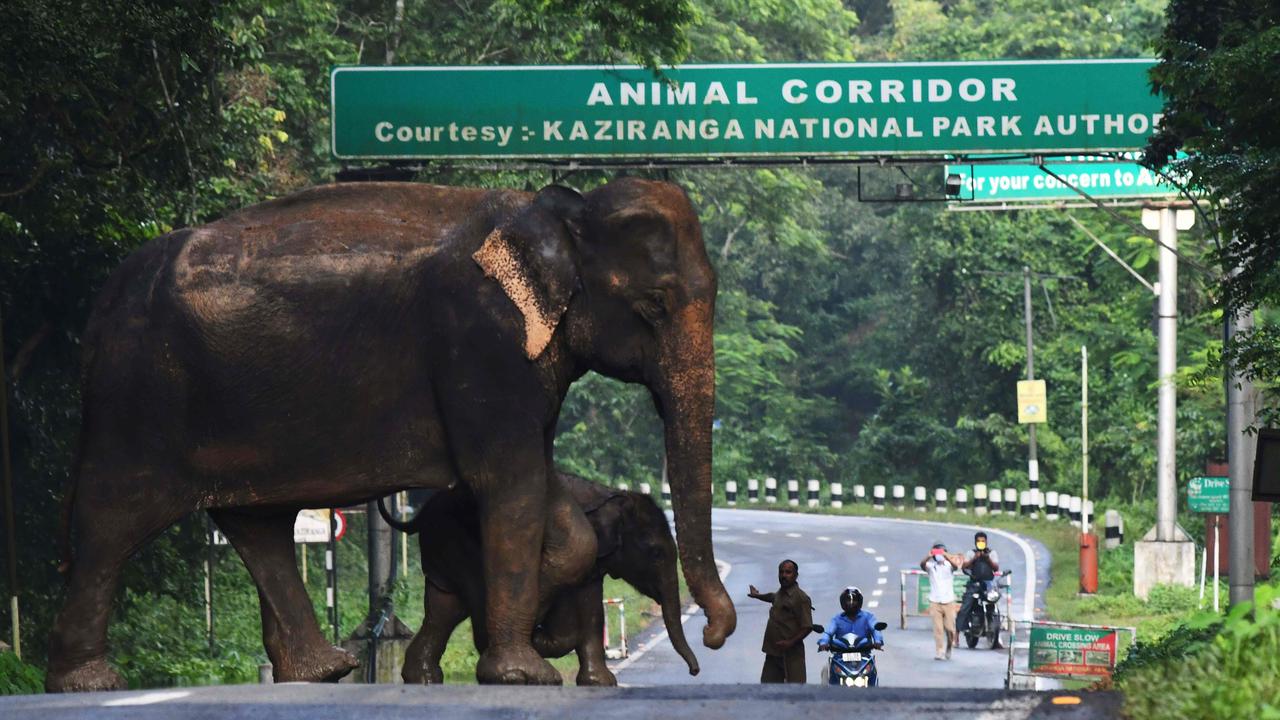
(208, 582)
(1166, 489)
(1240, 450)
(379, 557)
(331, 573)
(1217, 554)
(11, 535)
(1033, 465)
(1084, 439)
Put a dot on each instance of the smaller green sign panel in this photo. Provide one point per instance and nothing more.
(1072, 651)
(959, 580)
(1209, 494)
(1103, 178)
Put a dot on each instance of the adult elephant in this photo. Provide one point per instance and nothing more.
(633, 543)
(353, 340)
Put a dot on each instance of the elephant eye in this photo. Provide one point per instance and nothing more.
(652, 306)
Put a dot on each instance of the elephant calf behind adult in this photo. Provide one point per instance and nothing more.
(350, 341)
(634, 544)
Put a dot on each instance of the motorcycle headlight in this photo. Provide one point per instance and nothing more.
(993, 596)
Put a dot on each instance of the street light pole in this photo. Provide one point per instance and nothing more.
(1033, 465)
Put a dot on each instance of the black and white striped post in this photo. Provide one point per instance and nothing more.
(859, 494)
(666, 493)
(1075, 510)
(771, 490)
(940, 500)
(1086, 507)
(877, 497)
(793, 492)
(1037, 503)
(1051, 505)
(962, 500)
(1024, 502)
(731, 492)
(980, 499)
(1010, 501)
(921, 496)
(646, 489)
(837, 494)
(993, 500)
(811, 493)
(331, 573)
(900, 497)
(753, 490)
(1064, 506)
(1115, 530)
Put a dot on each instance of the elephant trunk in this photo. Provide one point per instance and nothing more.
(686, 398)
(670, 601)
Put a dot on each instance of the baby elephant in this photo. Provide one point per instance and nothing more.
(634, 544)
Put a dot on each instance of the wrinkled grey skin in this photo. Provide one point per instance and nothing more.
(634, 544)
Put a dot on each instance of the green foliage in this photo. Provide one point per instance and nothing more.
(19, 678)
(1209, 666)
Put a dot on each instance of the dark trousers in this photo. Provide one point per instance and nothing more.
(966, 607)
(788, 668)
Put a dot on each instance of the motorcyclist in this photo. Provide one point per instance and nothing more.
(981, 565)
(852, 619)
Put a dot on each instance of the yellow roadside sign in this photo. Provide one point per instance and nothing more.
(1033, 406)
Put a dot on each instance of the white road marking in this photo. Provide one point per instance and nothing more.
(850, 543)
(884, 568)
(877, 593)
(150, 698)
(823, 538)
(869, 551)
(879, 558)
(882, 581)
(719, 528)
(873, 603)
(758, 531)
(794, 535)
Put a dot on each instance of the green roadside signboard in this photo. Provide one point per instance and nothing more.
(1209, 494)
(727, 111)
(1072, 651)
(1102, 178)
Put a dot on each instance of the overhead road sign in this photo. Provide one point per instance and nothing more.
(1102, 178)
(717, 112)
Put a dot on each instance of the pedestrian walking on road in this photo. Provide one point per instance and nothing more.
(790, 620)
(941, 567)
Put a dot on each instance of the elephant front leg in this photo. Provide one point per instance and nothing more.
(588, 602)
(294, 643)
(512, 523)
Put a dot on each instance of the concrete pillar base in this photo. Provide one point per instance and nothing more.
(1158, 562)
(391, 645)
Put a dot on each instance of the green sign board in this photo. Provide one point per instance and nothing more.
(1102, 178)
(922, 590)
(720, 111)
(1072, 651)
(1209, 494)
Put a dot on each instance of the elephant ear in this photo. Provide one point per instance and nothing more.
(607, 519)
(531, 257)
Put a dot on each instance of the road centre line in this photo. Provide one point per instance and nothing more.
(850, 543)
(869, 551)
(879, 558)
(884, 568)
(823, 538)
(794, 535)
(758, 531)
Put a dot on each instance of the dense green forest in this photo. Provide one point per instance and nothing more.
(855, 342)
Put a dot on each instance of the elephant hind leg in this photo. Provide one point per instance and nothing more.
(444, 612)
(297, 648)
(113, 516)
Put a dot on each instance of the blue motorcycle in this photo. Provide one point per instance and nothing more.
(853, 662)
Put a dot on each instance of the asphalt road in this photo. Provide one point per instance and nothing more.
(834, 551)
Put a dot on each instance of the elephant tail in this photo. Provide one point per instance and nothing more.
(65, 553)
(407, 527)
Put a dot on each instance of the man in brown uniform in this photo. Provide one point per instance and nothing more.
(790, 620)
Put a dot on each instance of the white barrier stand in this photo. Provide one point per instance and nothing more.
(666, 494)
(1037, 503)
(859, 493)
(940, 500)
(921, 496)
(1115, 529)
(644, 488)
(623, 486)
(753, 490)
(1024, 502)
(811, 493)
(1086, 507)
(837, 495)
(1075, 510)
(793, 492)
(962, 500)
(900, 497)
(980, 499)
(731, 492)
(1010, 501)
(1064, 506)
(877, 497)
(771, 490)
(994, 497)
(1051, 505)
